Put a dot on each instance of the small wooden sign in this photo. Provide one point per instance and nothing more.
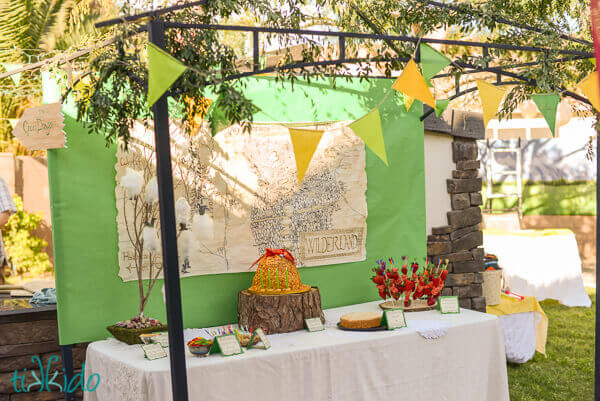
(262, 337)
(226, 345)
(153, 351)
(393, 319)
(41, 127)
(314, 324)
(448, 304)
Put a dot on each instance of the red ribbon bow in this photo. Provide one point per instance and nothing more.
(275, 252)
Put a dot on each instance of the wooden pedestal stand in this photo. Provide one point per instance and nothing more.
(279, 313)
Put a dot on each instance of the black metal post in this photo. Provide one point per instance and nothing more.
(597, 348)
(164, 177)
(66, 355)
(255, 51)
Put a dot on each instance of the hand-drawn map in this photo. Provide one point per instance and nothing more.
(237, 194)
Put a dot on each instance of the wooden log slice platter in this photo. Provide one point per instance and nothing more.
(417, 305)
(279, 313)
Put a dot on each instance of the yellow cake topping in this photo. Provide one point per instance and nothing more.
(277, 274)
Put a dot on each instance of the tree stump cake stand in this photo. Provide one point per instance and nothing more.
(279, 313)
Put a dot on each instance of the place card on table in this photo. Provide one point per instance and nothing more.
(226, 345)
(153, 351)
(448, 304)
(393, 319)
(262, 337)
(162, 339)
(314, 324)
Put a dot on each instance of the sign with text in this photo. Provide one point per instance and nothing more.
(41, 127)
(262, 337)
(448, 304)
(153, 351)
(314, 324)
(323, 245)
(226, 345)
(393, 319)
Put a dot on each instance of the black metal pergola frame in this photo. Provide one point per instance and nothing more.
(156, 34)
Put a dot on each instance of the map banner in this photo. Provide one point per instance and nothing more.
(243, 196)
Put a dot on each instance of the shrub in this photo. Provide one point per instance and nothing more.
(25, 251)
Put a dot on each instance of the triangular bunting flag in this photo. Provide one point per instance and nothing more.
(408, 102)
(412, 83)
(491, 97)
(11, 67)
(163, 70)
(305, 143)
(432, 61)
(589, 87)
(368, 128)
(547, 104)
(442, 105)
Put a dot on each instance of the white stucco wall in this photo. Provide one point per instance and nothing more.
(438, 168)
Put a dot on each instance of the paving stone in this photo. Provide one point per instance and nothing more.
(477, 253)
(470, 266)
(463, 231)
(438, 238)
(28, 332)
(446, 292)
(455, 186)
(464, 218)
(468, 165)
(28, 349)
(469, 241)
(461, 292)
(453, 257)
(460, 201)
(478, 278)
(476, 290)
(464, 150)
(476, 198)
(458, 279)
(465, 174)
(478, 304)
(465, 303)
(438, 248)
(13, 363)
(441, 230)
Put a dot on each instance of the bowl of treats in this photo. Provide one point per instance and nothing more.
(199, 346)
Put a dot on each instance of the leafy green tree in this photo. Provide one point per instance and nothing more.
(25, 250)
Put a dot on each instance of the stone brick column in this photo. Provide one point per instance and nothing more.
(461, 240)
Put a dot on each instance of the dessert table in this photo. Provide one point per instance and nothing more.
(540, 263)
(466, 364)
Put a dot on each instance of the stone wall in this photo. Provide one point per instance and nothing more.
(26, 334)
(460, 241)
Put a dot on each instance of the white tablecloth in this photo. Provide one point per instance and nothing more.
(542, 263)
(520, 335)
(466, 364)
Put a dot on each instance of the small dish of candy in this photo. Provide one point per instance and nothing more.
(199, 346)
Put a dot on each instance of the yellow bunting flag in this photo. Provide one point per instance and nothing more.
(163, 70)
(491, 97)
(368, 128)
(589, 87)
(305, 143)
(412, 84)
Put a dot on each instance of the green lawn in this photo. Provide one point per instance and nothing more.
(567, 374)
(550, 198)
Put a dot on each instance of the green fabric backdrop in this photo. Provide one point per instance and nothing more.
(90, 294)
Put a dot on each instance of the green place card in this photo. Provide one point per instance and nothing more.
(262, 337)
(393, 319)
(153, 351)
(226, 345)
(448, 304)
(314, 324)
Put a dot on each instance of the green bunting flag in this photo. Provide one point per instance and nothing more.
(368, 128)
(11, 67)
(440, 106)
(432, 61)
(163, 70)
(547, 104)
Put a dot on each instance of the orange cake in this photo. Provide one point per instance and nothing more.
(361, 320)
(277, 274)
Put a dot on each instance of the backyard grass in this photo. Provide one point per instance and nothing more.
(567, 374)
(550, 198)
